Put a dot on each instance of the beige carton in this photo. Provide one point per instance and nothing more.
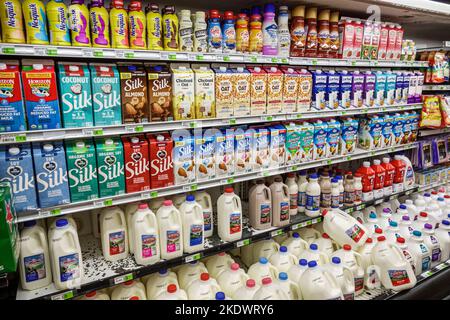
(241, 82)
(205, 97)
(258, 91)
(290, 89)
(274, 90)
(304, 90)
(224, 92)
(183, 90)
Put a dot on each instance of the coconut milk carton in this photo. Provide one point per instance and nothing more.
(391, 80)
(184, 157)
(225, 160)
(345, 89)
(76, 97)
(370, 130)
(82, 170)
(258, 90)
(277, 141)
(320, 140)
(349, 136)
(305, 89)
(51, 173)
(110, 164)
(369, 89)
(241, 82)
(205, 143)
(205, 97)
(261, 146)
(333, 138)
(357, 89)
(290, 88)
(137, 163)
(243, 149)
(106, 99)
(380, 88)
(333, 89)
(320, 82)
(16, 168)
(12, 113)
(386, 131)
(224, 92)
(183, 92)
(274, 90)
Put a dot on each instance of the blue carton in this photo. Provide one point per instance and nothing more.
(345, 89)
(391, 82)
(386, 131)
(333, 90)
(398, 88)
(333, 138)
(320, 140)
(320, 82)
(380, 88)
(397, 129)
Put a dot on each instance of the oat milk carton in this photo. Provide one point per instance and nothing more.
(380, 88)
(386, 131)
(397, 129)
(225, 164)
(106, 100)
(137, 163)
(277, 141)
(205, 96)
(345, 89)
(51, 173)
(320, 81)
(16, 168)
(41, 94)
(82, 170)
(391, 80)
(224, 92)
(261, 146)
(161, 160)
(134, 93)
(111, 167)
(357, 89)
(274, 90)
(241, 81)
(258, 91)
(349, 136)
(290, 89)
(12, 113)
(76, 96)
(370, 132)
(243, 148)
(369, 89)
(333, 138)
(205, 149)
(183, 92)
(184, 157)
(160, 92)
(320, 140)
(305, 89)
(333, 89)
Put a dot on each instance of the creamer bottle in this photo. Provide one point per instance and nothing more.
(218, 264)
(325, 191)
(247, 291)
(280, 202)
(113, 228)
(260, 206)
(214, 32)
(170, 29)
(58, 23)
(349, 191)
(228, 33)
(146, 237)
(335, 195)
(357, 185)
(301, 199)
(231, 279)
(242, 34)
(99, 25)
(35, 21)
(192, 220)
(79, 24)
(200, 32)
(172, 293)
(270, 31)
(170, 231)
(229, 216)
(137, 25)
(157, 282)
(298, 32)
(293, 194)
(186, 31)
(341, 191)
(256, 34)
(284, 36)
(11, 19)
(204, 288)
(313, 197)
(204, 200)
(118, 20)
(154, 28)
(35, 270)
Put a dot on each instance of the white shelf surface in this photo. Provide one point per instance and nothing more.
(436, 87)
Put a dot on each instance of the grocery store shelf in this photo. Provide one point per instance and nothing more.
(162, 192)
(149, 55)
(432, 132)
(445, 46)
(431, 186)
(436, 87)
(87, 132)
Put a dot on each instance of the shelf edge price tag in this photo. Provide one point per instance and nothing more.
(276, 233)
(145, 195)
(55, 212)
(63, 296)
(129, 55)
(199, 57)
(108, 202)
(52, 51)
(153, 194)
(232, 121)
(230, 180)
(97, 132)
(172, 56)
(350, 210)
(243, 243)
(124, 278)
(8, 50)
(361, 206)
(193, 257)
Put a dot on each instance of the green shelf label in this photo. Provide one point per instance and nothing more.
(274, 60)
(108, 202)
(284, 60)
(173, 56)
(129, 55)
(298, 116)
(314, 62)
(226, 58)
(294, 168)
(55, 212)
(52, 52)
(139, 129)
(309, 222)
(253, 59)
(153, 194)
(68, 295)
(193, 125)
(8, 50)
(21, 138)
(232, 121)
(199, 57)
(246, 242)
(349, 158)
(98, 53)
(98, 132)
(329, 161)
(194, 187)
(230, 180)
(353, 63)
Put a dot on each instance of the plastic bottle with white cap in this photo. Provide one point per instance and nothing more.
(302, 184)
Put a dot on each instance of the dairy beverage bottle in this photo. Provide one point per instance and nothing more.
(443, 235)
(378, 184)
(434, 214)
(218, 264)
(262, 269)
(296, 271)
(389, 176)
(392, 232)
(35, 270)
(372, 223)
(293, 193)
(130, 210)
(319, 284)
(341, 191)
(343, 276)
(313, 254)
(335, 194)
(406, 227)
(309, 234)
(312, 207)
(295, 244)
(157, 283)
(200, 32)
(284, 36)
(204, 288)
(270, 31)
(155, 204)
(289, 287)
(94, 295)
(190, 272)
(192, 221)
(349, 191)
(65, 250)
(432, 242)
(419, 223)
(401, 243)
(389, 257)
(358, 187)
(325, 245)
(232, 279)
(325, 192)
(270, 291)
(280, 203)
(399, 176)
(402, 210)
(344, 229)
(420, 204)
(442, 207)
(113, 228)
(186, 31)
(228, 32)
(170, 231)
(368, 210)
(145, 235)
(172, 293)
(265, 249)
(260, 206)
(204, 200)
(302, 184)
(368, 179)
(129, 290)
(365, 251)
(385, 218)
(229, 216)
(283, 260)
(420, 252)
(427, 199)
(352, 260)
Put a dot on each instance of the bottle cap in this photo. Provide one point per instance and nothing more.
(401, 240)
(283, 249)
(167, 203)
(376, 162)
(128, 283)
(428, 226)
(381, 238)
(228, 15)
(266, 281)
(234, 266)
(143, 205)
(386, 210)
(269, 8)
(190, 198)
(372, 215)
(220, 295)
(313, 246)
(162, 271)
(91, 294)
(29, 224)
(134, 298)
(393, 224)
(347, 247)
(61, 223)
(172, 288)
(417, 233)
(369, 240)
(14, 151)
(204, 276)
(403, 207)
(378, 230)
(303, 262)
(312, 264)
(423, 214)
(446, 222)
(405, 218)
(283, 276)
(263, 260)
(336, 260)
(250, 283)
(366, 164)
(229, 190)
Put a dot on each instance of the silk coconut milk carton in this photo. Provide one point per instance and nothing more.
(51, 173)
(12, 113)
(261, 159)
(277, 145)
(82, 170)
(110, 167)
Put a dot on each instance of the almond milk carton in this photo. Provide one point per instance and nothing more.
(224, 92)
(205, 97)
(205, 143)
(225, 164)
(290, 89)
(292, 144)
(277, 141)
(274, 90)
(243, 148)
(12, 113)
(242, 85)
(183, 92)
(133, 82)
(183, 157)
(160, 92)
(258, 91)
(261, 159)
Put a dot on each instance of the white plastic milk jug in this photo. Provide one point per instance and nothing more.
(372, 223)
(172, 293)
(290, 288)
(343, 276)
(309, 234)
(264, 249)
(366, 253)
(262, 269)
(421, 253)
(204, 200)
(204, 288)
(343, 228)
(145, 235)
(296, 271)
(260, 206)
(229, 216)
(326, 245)
(113, 228)
(190, 272)
(352, 260)
(295, 244)
(270, 291)
(218, 264)
(94, 295)
(443, 234)
(130, 210)
(406, 228)
(319, 284)
(232, 279)
(283, 260)
(313, 254)
(293, 193)
(432, 242)
(247, 291)
(280, 203)
(193, 223)
(170, 231)
(392, 232)
(157, 282)
(130, 290)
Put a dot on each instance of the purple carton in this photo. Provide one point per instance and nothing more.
(380, 88)
(357, 89)
(413, 79)
(333, 90)
(398, 88)
(320, 81)
(405, 86)
(369, 89)
(345, 89)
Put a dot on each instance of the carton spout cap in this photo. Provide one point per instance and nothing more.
(134, 140)
(2, 66)
(74, 68)
(80, 144)
(48, 147)
(14, 151)
(160, 138)
(38, 66)
(109, 142)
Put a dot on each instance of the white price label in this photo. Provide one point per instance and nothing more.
(88, 53)
(120, 54)
(145, 195)
(7, 138)
(88, 132)
(124, 278)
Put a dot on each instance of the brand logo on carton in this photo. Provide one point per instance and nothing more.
(11, 14)
(110, 170)
(83, 172)
(51, 178)
(121, 24)
(34, 23)
(138, 166)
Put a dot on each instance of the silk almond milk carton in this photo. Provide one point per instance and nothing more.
(137, 163)
(243, 149)
(133, 82)
(225, 165)
(183, 92)
(241, 81)
(205, 148)
(224, 92)
(12, 112)
(183, 157)
(161, 160)
(290, 89)
(110, 163)
(160, 92)
(261, 159)
(274, 90)
(258, 91)
(277, 145)
(205, 97)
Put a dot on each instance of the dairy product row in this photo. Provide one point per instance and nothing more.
(434, 175)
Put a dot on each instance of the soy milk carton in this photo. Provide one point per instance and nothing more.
(160, 92)
(241, 82)
(110, 164)
(380, 88)
(370, 136)
(225, 164)
(369, 89)
(357, 89)
(76, 97)
(305, 89)
(12, 113)
(345, 89)
(349, 136)
(320, 82)
(333, 138)
(41, 94)
(82, 170)
(205, 148)
(51, 173)
(290, 89)
(261, 158)
(320, 140)
(387, 132)
(184, 157)
(258, 91)
(333, 89)
(274, 90)
(243, 149)
(205, 102)
(16, 168)
(391, 80)
(224, 92)
(277, 141)
(137, 163)
(183, 92)
(106, 99)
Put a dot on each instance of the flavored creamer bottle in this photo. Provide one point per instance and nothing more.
(229, 216)
(260, 209)
(172, 293)
(118, 20)
(113, 228)
(204, 200)
(232, 278)
(284, 36)
(193, 224)
(186, 31)
(157, 282)
(170, 29)
(218, 264)
(35, 21)
(129, 290)
(154, 28)
(242, 34)
(214, 32)
(280, 202)
(79, 24)
(190, 272)
(319, 284)
(256, 34)
(11, 19)
(200, 32)
(99, 24)
(58, 23)
(247, 291)
(137, 25)
(270, 31)
(146, 237)
(229, 33)
(170, 231)
(283, 260)
(293, 194)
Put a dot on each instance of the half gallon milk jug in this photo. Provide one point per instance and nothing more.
(432, 242)
(260, 206)
(192, 220)
(264, 249)
(130, 290)
(172, 293)
(295, 244)
(352, 260)
(247, 291)
(157, 282)
(270, 291)
(204, 200)
(301, 199)
(312, 207)
(366, 253)
(343, 228)
(290, 288)
(35, 270)
(319, 284)
(296, 271)
(94, 295)
(204, 288)
(392, 232)
(229, 216)
(313, 254)
(218, 264)
(420, 251)
(190, 272)
(130, 210)
(113, 228)
(419, 223)
(262, 269)
(406, 227)
(283, 260)
(443, 235)
(232, 279)
(67, 262)
(280, 203)
(326, 245)
(145, 235)
(293, 193)
(343, 276)
(309, 234)
(155, 204)
(395, 271)
(170, 231)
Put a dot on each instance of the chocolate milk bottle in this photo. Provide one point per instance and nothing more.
(298, 32)
(280, 202)
(323, 35)
(311, 33)
(260, 209)
(334, 35)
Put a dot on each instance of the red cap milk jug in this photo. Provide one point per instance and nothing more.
(368, 177)
(389, 177)
(399, 175)
(378, 183)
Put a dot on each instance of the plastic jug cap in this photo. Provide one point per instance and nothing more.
(80, 144)
(291, 175)
(372, 215)
(234, 266)
(38, 66)
(283, 276)
(2, 66)
(347, 247)
(128, 283)
(283, 249)
(134, 298)
(74, 68)
(366, 164)
(417, 233)
(190, 198)
(313, 246)
(14, 151)
(48, 147)
(91, 294)
(405, 218)
(167, 203)
(159, 138)
(263, 260)
(229, 190)
(386, 160)
(313, 176)
(397, 157)
(250, 283)
(162, 271)
(104, 69)
(295, 235)
(434, 192)
(220, 295)
(61, 223)
(303, 262)
(325, 235)
(324, 213)
(440, 199)
(381, 238)
(387, 210)
(378, 230)
(447, 196)
(426, 195)
(424, 214)
(266, 281)
(204, 276)
(29, 224)
(369, 240)
(143, 205)
(334, 180)
(221, 254)
(172, 288)
(446, 222)
(428, 226)
(403, 207)
(400, 240)
(290, 70)
(393, 224)
(312, 264)
(336, 260)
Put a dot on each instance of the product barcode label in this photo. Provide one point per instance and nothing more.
(193, 257)
(124, 278)
(243, 243)
(63, 296)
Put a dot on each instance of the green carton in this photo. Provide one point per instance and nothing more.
(9, 234)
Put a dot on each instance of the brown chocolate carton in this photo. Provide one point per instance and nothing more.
(160, 92)
(133, 82)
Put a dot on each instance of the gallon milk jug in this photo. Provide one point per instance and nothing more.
(281, 238)
(67, 262)
(395, 271)
(295, 244)
(290, 288)
(443, 235)
(204, 288)
(313, 254)
(352, 260)
(129, 290)
(157, 282)
(155, 204)
(35, 270)
(280, 203)
(309, 234)
(190, 272)
(296, 271)
(192, 220)
(172, 293)
(260, 206)
(420, 204)
(94, 295)
(170, 231)
(343, 276)
(70, 220)
(319, 284)
(421, 253)
(218, 264)
(232, 279)
(145, 235)
(326, 245)
(344, 229)
(384, 218)
(264, 249)
(283, 260)
(432, 242)
(401, 243)
(392, 232)
(419, 223)
(130, 210)
(247, 291)
(204, 200)
(178, 200)
(368, 210)
(411, 209)
(262, 269)
(270, 291)
(406, 227)
(229, 216)
(113, 228)
(366, 253)
(293, 193)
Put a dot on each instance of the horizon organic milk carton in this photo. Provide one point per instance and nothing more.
(16, 168)
(133, 84)
(106, 99)
(82, 170)
(161, 161)
(183, 92)
(225, 164)
(183, 157)
(41, 94)
(349, 135)
(241, 81)
(51, 173)
(205, 148)
(12, 112)
(274, 89)
(110, 166)
(258, 91)
(205, 102)
(76, 98)
(224, 92)
(137, 163)
(160, 92)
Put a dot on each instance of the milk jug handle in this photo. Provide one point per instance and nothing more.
(348, 274)
(358, 258)
(304, 243)
(330, 277)
(43, 239)
(323, 257)
(276, 245)
(399, 252)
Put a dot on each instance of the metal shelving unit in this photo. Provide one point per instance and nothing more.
(432, 132)
(436, 87)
